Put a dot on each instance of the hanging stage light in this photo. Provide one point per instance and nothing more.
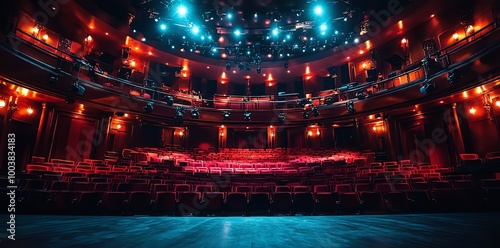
(427, 88)
(170, 100)
(195, 114)
(76, 88)
(315, 111)
(148, 108)
(281, 118)
(247, 116)
(361, 96)
(226, 114)
(329, 100)
(350, 107)
(305, 115)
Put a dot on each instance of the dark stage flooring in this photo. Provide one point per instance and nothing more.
(416, 230)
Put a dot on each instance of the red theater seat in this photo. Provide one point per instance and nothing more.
(203, 188)
(114, 203)
(281, 203)
(303, 202)
(236, 203)
(348, 202)
(213, 203)
(259, 203)
(139, 203)
(88, 203)
(182, 187)
(165, 203)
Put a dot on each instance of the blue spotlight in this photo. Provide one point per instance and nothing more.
(356, 40)
(323, 27)
(318, 10)
(195, 30)
(229, 16)
(237, 32)
(163, 26)
(275, 31)
(288, 36)
(182, 11)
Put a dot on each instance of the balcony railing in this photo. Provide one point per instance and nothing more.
(86, 72)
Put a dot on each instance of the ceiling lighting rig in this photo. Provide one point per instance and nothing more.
(247, 33)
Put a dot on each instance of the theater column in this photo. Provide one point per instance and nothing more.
(39, 133)
(389, 127)
(456, 133)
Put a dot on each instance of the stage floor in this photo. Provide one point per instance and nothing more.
(416, 230)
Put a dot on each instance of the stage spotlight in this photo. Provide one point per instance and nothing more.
(275, 32)
(315, 111)
(182, 11)
(179, 112)
(163, 27)
(323, 27)
(247, 116)
(305, 115)
(228, 66)
(195, 114)
(76, 88)
(259, 69)
(452, 77)
(237, 32)
(329, 100)
(148, 108)
(285, 64)
(361, 96)
(53, 79)
(170, 100)
(195, 30)
(350, 107)
(226, 114)
(318, 10)
(427, 88)
(281, 118)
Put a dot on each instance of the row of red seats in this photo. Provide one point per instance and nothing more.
(244, 188)
(198, 203)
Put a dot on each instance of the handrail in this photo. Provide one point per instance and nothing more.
(247, 99)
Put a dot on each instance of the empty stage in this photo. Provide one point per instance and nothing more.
(417, 230)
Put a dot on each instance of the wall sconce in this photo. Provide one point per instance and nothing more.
(12, 107)
(45, 37)
(455, 36)
(310, 133)
(472, 110)
(2, 103)
(497, 102)
(469, 30)
(30, 110)
(221, 134)
(272, 134)
(118, 126)
(181, 133)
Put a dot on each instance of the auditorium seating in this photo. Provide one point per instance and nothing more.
(305, 182)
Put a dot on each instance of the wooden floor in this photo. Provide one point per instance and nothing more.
(429, 230)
